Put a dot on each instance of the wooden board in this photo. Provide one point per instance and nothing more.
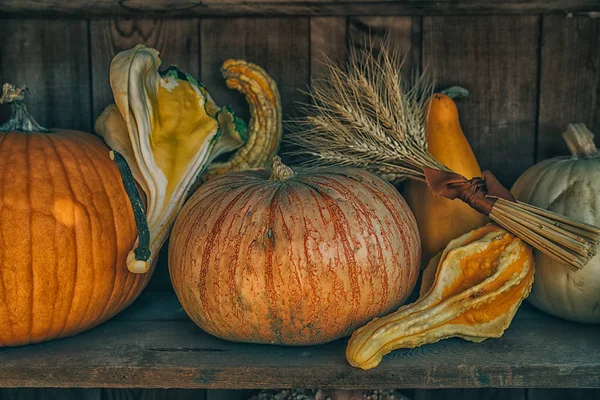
(496, 59)
(188, 8)
(403, 34)
(176, 354)
(569, 81)
(58, 76)
(328, 43)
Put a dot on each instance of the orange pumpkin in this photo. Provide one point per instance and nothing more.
(66, 227)
(293, 258)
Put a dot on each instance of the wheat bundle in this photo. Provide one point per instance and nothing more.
(370, 117)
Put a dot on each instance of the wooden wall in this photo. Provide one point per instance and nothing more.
(528, 76)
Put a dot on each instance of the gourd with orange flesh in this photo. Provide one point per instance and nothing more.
(439, 219)
(471, 290)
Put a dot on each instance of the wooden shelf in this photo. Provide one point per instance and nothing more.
(154, 345)
(195, 8)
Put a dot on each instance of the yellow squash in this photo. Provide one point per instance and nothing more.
(439, 219)
(472, 290)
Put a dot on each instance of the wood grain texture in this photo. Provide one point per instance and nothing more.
(328, 43)
(58, 76)
(168, 354)
(403, 33)
(177, 42)
(569, 81)
(186, 8)
(496, 59)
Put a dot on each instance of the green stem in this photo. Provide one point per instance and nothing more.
(142, 252)
(20, 120)
(456, 92)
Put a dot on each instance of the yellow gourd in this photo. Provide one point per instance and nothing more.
(439, 219)
(472, 290)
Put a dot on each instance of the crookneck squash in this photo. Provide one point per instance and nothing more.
(471, 290)
(292, 257)
(70, 215)
(569, 186)
(439, 219)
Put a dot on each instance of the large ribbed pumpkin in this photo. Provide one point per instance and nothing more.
(66, 227)
(293, 258)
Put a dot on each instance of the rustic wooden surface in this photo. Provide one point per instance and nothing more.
(290, 7)
(495, 58)
(328, 44)
(537, 351)
(403, 33)
(59, 79)
(528, 75)
(569, 80)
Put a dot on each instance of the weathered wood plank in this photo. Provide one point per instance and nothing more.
(328, 43)
(188, 8)
(496, 59)
(57, 75)
(403, 34)
(176, 354)
(569, 81)
(177, 42)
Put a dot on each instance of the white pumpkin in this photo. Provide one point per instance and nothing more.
(568, 186)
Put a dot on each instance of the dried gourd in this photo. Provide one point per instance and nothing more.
(265, 124)
(168, 130)
(480, 280)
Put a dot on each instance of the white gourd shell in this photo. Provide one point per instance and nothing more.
(568, 186)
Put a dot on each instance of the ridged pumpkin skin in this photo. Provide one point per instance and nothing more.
(66, 226)
(295, 262)
(439, 219)
(569, 186)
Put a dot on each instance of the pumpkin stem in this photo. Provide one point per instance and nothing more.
(279, 171)
(142, 251)
(456, 92)
(20, 120)
(580, 141)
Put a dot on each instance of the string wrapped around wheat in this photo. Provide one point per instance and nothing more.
(370, 117)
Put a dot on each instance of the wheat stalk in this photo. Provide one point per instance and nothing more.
(370, 117)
